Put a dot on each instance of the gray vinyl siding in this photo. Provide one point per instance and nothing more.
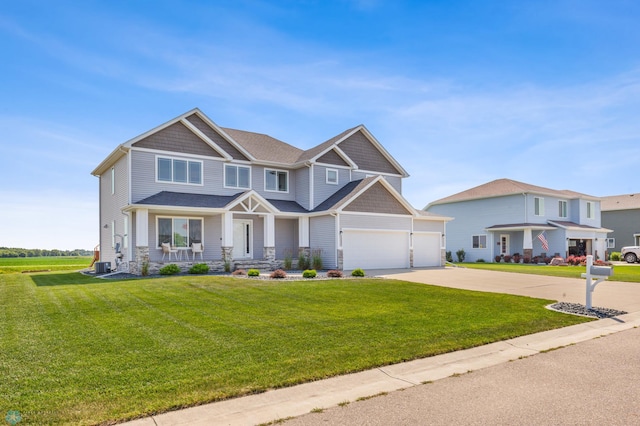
(624, 224)
(323, 234)
(144, 185)
(377, 199)
(257, 176)
(332, 157)
(302, 186)
(429, 226)
(177, 138)
(110, 209)
(286, 236)
(321, 189)
(375, 222)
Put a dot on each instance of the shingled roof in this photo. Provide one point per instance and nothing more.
(504, 187)
(620, 202)
(264, 147)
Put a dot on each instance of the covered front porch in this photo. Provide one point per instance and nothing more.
(552, 239)
(244, 233)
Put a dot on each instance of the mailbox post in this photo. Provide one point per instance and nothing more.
(599, 273)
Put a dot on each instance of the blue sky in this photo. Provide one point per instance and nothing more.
(459, 92)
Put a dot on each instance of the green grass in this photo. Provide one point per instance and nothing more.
(627, 273)
(82, 350)
(12, 265)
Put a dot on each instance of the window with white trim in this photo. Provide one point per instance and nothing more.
(237, 176)
(179, 231)
(562, 209)
(276, 180)
(479, 241)
(538, 206)
(178, 170)
(590, 210)
(332, 176)
(611, 243)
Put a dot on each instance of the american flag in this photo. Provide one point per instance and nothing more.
(543, 240)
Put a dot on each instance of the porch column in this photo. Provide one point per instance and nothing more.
(140, 262)
(269, 250)
(527, 244)
(142, 227)
(227, 236)
(303, 232)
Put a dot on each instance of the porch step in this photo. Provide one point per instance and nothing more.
(261, 265)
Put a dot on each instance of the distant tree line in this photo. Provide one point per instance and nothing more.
(20, 252)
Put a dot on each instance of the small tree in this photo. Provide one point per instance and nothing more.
(460, 254)
(449, 257)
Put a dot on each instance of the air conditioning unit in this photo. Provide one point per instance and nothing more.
(103, 267)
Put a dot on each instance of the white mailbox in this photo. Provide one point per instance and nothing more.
(603, 271)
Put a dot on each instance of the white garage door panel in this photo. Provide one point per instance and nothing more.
(374, 249)
(426, 249)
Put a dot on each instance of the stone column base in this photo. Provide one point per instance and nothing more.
(527, 253)
(340, 261)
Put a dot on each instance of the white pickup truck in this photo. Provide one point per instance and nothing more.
(631, 254)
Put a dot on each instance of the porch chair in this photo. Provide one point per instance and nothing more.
(197, 248)
(166, 249)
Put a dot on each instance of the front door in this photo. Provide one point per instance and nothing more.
(242, 237)
(504, 244)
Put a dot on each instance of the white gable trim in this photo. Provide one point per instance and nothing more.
(206, 139)
(246, 201)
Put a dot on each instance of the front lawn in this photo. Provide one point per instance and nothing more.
(10, 265)
(627, 273)
(83, 350)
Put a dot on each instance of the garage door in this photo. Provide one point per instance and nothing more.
(426, 249)
(375, 249)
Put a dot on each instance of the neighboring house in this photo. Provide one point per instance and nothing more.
(621, 213)
(504, 217)
(247, 196)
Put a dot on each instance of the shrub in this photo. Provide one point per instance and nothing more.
(278, 273)
(241, 272)
(170, 269)
(145, 268)
(526, 259)
(199, 268)
(309, 273)
(507, 258)
(448, 256)
(460, 254)
(480, 261)
(547, 260)
(303, 261)
(536, 259)
(288, 260)
(227, 266)
(615, 255)
(316, 261)
(357, 273)
(516, 257)
(498, 259)
(334, 273)
(253, 273)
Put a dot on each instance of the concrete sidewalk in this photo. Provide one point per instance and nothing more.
(302, 399)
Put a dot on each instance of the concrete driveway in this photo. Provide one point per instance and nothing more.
(608, 294)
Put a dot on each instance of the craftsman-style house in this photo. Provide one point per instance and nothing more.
(190, 191)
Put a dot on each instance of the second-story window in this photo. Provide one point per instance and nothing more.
(179, 171)
(562, 208)
(237, 176)
(538, 206)
(332, 176)
(590, 212)
(276, 180)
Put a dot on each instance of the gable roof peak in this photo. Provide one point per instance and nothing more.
(503, 187)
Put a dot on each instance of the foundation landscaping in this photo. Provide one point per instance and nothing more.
(84, 350)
